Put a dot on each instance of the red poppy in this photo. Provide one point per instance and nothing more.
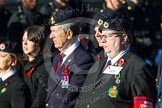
(98, 57)
(66, 72)
(29, 73)
(120, 62)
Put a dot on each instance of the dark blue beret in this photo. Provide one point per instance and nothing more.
(7, 46)
(64, 16)
(111, 21)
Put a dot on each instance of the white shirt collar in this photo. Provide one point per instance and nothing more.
(70, 50)
(115, 59)
(8, 75)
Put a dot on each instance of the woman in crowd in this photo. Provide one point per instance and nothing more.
(36, 75)
(13, 91)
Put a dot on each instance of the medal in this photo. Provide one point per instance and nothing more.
(113, 92)
(117, 77)
(117, 81)
(65, 81)
(3, 90)
(65, 76)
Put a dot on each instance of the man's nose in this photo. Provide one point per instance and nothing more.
(51, 35)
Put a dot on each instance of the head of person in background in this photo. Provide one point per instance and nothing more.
(33, 42)
(64, 29)
(2, 3)
(86, 39)
(30, 4)
(84, 35)
(116, 36)
(9, 61)
(135, 2)
(98, 32)
(63, 3)
(113, 5)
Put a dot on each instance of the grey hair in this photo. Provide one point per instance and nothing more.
(72, 26)
(66, 27)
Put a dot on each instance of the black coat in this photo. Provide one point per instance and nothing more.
(14, 93)
(36, 81)
(136, 79)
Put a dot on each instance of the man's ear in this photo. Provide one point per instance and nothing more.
(124, 38)
(69, 34)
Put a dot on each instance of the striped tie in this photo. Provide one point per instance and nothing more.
(107, 64)
(62, 55)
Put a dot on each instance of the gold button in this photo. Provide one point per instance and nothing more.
(123, 1)
(46, 104)
(57, 94)
(129, 8)
(56, 10)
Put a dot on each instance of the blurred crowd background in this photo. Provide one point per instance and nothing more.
(144, 15)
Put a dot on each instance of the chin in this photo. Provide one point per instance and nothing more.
(26, 52)
(108, 51)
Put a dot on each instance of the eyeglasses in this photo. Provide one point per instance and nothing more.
(110, 35)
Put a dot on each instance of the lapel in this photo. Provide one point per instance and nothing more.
(70, 61)
(54, 78)
(95, 71)
(101, 65)
(53, 82)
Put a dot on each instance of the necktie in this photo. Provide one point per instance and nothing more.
(107, 64)
(62, 55)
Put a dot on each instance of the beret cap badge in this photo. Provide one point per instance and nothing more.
(56, 10)
(2, 46)
(100, 22)
(106, 25)
(52, 20)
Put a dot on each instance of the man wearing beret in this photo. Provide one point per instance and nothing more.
(71, 65)
(121, 80)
